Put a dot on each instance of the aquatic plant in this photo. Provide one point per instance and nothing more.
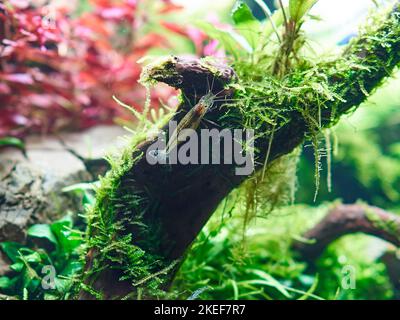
(144, 219)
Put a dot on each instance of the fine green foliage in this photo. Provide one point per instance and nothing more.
(222, 266)
(266, 191)
(365, 164)
(299, 8)
(280, 84)
(304, 90)
(245, 23)
(44, 268)
(116, 209)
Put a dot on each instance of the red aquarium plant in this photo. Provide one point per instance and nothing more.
(59, 69)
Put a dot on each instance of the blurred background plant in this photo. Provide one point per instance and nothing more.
(61, 62)
(63, 77)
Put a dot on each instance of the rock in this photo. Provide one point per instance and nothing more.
(29, 195)
(31, 187)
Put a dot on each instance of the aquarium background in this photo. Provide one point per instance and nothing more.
(259, 262)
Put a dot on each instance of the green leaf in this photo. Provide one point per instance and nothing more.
(229, 39)
(310, 291)
(268, 280)
(11, 249)
(62, 285)
(42, 231)
(84, 189)
(50, 296)
(25, 294)
(79, 187)
(12, 142)
(299, 8)
(241, 13)
(59, 225)
(88, 199)
(5, 283)
(33, 258)
(67, 239)
(30, 280)
(246, 24)
(17, 267)
(71, 268)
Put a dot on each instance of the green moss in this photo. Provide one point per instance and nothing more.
(308, 92)
(262, 193)
(160, 69)
(311, 93)
(163, 69)
(390, 226)
(109, 241)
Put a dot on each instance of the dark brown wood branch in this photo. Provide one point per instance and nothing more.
(349, 219)
(179, 199)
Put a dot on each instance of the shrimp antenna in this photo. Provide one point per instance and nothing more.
(209, 88)
(212, 84)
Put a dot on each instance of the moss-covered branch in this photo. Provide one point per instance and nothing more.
(349, 219)
(146, 216)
